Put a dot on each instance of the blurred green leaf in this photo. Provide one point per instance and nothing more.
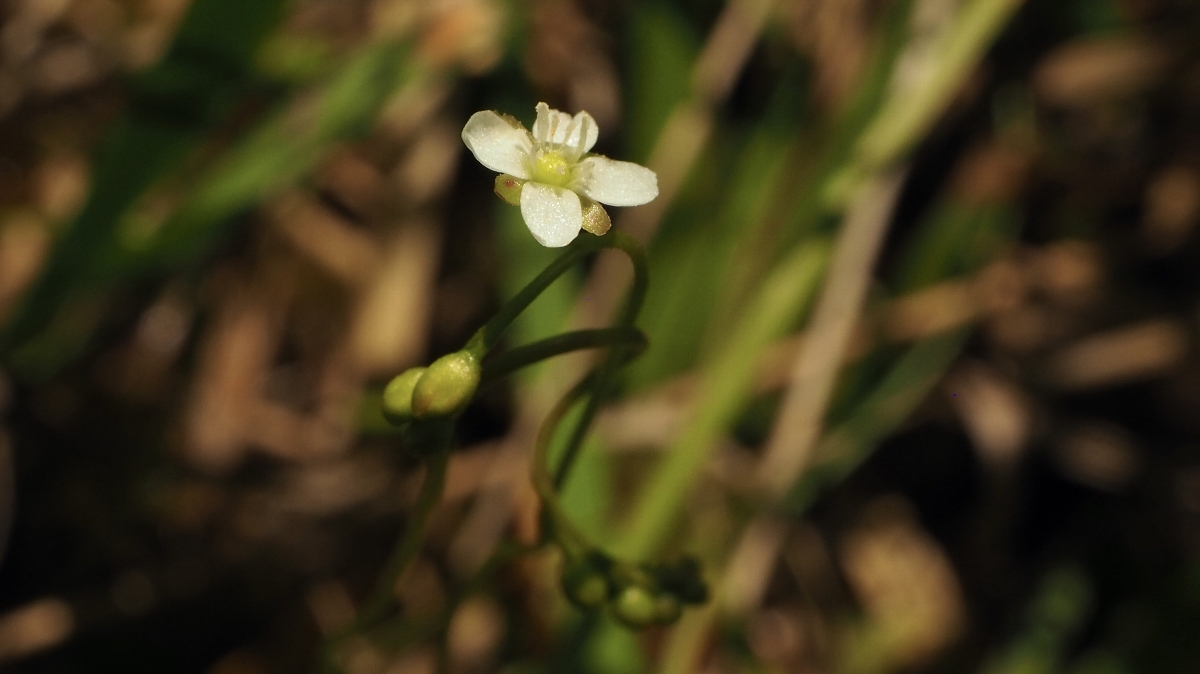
(704, 257)
(958, 239)
(662, 51)
(837, 143)
(905, 386)
(199, 83)
(283, 149)
(112, 241)
(725, 381)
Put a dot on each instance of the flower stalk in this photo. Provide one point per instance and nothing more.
(425, 402)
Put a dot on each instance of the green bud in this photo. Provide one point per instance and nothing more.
(585, 581)
(398, 396)
(586, 590)
(447, 386)
(595, 218)
(635, 607)
(666, 609)
(508, 188)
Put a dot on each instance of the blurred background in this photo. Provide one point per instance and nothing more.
(922, 391)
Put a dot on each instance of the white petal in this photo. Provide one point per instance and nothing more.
(497, 144)
(584, 133)
(617, 183)
(551, 125)
(553, 214)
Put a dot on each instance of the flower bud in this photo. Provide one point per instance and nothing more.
(595, 218)
(585, 581)
(508, 188)
(447, 386)
(398, 396)
(587, 590)
(635, 607)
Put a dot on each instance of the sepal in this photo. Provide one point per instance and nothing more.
(508, 188)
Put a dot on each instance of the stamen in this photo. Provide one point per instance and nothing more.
(543, 121)
(583, 134)
(570, 130)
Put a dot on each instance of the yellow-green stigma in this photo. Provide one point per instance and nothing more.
(551, 168)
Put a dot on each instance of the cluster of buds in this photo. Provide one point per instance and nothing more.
(638, 595)
(425, 400)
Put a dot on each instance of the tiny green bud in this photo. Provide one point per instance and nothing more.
(635, 607)
(447, 386)
(585, 581)
(587, 590)
(595, 218)
(666, 609)
(398, 396)
(508, 188)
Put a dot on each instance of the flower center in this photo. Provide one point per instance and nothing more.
(551, 168)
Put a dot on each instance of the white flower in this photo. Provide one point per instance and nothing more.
(557, 181)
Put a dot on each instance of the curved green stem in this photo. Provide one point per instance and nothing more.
(625, 342)
(606, 374)
(572, 540)
(510, 361)
(487, 337)
(622, 339)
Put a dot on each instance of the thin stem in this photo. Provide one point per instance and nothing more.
(488, 336)
(510, 361)
(572, 540)
(623, 339)
(607, 372)
(625, 342)
(406, 550)
(380, 601)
